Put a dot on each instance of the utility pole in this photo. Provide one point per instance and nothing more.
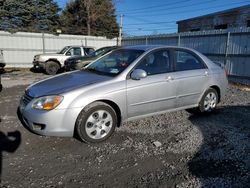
(120, 31)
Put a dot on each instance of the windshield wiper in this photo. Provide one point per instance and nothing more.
(98, 72)
(92, 70)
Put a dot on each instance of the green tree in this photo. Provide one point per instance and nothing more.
(90, 17)
(29, 15)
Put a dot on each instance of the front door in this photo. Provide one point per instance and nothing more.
(156, 92)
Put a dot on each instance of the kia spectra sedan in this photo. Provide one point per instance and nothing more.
(126, 84)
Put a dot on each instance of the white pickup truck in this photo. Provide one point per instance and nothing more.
(51, 63)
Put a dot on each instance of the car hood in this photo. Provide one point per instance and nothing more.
(65, 82)
(51, 54)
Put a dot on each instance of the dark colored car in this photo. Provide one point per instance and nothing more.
(1, 87)
(77, 62)
(2, 65)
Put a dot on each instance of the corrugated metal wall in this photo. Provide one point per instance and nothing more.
(20, 48)
(231, 47)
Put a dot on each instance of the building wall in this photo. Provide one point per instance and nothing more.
(19, 48)
(233, 19)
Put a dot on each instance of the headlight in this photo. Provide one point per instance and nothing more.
(47, 102)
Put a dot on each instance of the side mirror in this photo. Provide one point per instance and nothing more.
(138, 74)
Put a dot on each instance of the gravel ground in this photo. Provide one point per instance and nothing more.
(170, 150)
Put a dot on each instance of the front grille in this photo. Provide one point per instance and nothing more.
(26, 99)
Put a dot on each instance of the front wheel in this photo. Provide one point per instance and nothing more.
(96, 122)
(52, 67)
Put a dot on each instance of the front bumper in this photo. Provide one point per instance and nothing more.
(57, 122)
(39, 65)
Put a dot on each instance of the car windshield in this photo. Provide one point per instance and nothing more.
(99, 52)
(115, 62)
(64, 50)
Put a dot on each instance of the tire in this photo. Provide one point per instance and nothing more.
(207, 103)
(52, 67)
(96, 122)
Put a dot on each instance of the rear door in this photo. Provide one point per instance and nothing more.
(192, 76)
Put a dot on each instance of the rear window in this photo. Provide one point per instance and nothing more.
(89, 50)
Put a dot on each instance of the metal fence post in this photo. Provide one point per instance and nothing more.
(86, 42)
(146, 41)
(179, 40)
(227, 63)
(227, 44)
(43, 39)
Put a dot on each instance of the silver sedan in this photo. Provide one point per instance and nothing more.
(128, 83)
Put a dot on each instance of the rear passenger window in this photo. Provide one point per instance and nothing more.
(186, 61)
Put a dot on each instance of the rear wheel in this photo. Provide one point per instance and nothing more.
(208, 102)
(96, 122)
(52, 67)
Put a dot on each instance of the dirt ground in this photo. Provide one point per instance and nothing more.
(193, 151)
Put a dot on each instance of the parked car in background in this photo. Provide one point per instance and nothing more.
(2, 65)
(1, 86)
(51, 63)
(128, 83)
(78, 62)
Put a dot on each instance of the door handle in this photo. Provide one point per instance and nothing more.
(206, 73)
(169, 78)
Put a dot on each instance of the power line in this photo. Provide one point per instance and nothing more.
(172, 21)
(140, 30)
(174, 7)
(193, 10)
(155, 6)
(157, 28)
(150, 23)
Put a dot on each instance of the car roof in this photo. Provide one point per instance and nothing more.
(80, 46)
(151, 47)
(108, 47)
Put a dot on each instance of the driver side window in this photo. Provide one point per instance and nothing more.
(74, 51)
(157, 62)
